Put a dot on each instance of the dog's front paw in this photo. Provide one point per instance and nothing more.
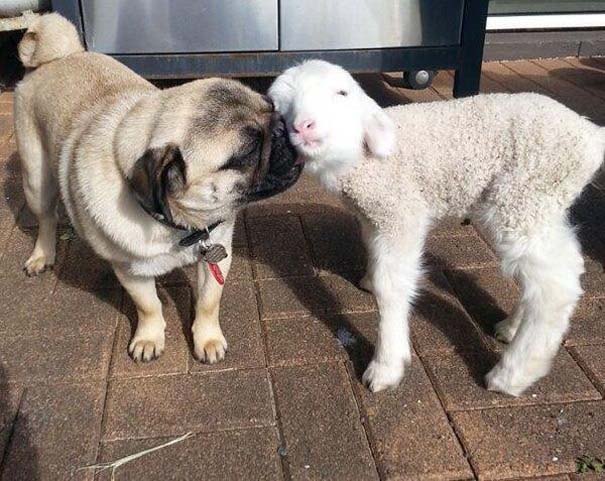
(379, 376)
(37, 264)
(210, 348)
(147, 346)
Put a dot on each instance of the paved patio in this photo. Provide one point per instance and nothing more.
(287, 402)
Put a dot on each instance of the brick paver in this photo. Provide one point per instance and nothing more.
(323, 434)
(305, 340)
(146, 407)
(587, 323)
(279, 248)
(486, 294)
(439, 321)
(592, 360)
(287, 402)
(459, 381)
(409, 432)
(223, 455)
(461, 252)
(12, 395)
(531, 440)
(335, 236)
(56, 432)
(288, 297)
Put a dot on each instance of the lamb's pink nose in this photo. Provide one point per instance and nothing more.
(304, 127)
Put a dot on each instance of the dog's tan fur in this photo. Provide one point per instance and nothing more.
(84, 122)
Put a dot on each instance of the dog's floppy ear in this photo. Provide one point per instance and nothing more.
(378, 129)
(27, 49)
(158, 174)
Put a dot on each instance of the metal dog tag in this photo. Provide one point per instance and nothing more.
(214, 253)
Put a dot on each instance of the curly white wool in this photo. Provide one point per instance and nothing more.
(513, 163)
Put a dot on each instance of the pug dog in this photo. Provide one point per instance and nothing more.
(151, 179)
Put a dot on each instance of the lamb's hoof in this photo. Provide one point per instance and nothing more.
(37, 264)
(378, 376)
(146, 348)
(501, 379)
(504, 331)
(211, 350)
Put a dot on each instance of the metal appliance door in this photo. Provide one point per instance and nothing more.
(358, 24)
(180, 26)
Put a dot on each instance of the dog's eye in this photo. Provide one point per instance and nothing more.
(240, 162)
(342, 93)
(247, 157)
(253, 139)
(251, 148)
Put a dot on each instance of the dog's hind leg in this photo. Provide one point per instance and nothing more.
(395, 269)
(209, 343)
(546, 260)
(41, 193)
(148, 340)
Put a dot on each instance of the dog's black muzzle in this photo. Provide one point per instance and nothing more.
(283, 170)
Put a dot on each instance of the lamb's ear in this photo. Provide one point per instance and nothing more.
(378, 129)
(158, 174)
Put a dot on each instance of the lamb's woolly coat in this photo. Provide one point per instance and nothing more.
(512, 163)
(526, 154)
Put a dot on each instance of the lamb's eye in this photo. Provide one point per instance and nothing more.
(342, 93)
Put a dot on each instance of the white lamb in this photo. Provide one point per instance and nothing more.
(514, 164)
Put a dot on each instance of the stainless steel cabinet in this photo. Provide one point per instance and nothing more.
(193, 38)
(355, 24)
(187, 26)
(177, 26)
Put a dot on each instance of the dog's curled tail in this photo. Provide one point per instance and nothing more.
(49, 37)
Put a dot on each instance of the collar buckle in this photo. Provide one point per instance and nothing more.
(198, 235)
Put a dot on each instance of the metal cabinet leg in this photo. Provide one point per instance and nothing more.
(468, 74)
(466, 80)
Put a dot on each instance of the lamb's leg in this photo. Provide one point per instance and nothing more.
(395, 270)
(505, 330)
(367, 235)
(548, 265)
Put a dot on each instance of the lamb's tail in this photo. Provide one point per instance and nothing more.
(49, 37)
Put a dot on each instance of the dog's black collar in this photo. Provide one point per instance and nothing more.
(194, 235)
(197, 235)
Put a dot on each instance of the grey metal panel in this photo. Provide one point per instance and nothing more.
(174, 26)
(273, 63)
(350, 24)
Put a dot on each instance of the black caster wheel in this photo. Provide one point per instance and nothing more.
(411, 79)
(418, 79)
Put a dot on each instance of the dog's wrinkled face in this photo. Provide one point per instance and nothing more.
(234, 150)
